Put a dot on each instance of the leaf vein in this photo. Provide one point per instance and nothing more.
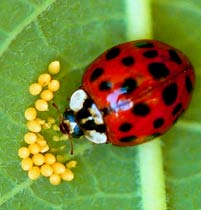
(24, 185)
(41, 33)
(24, 24)
(9, 118)
(184, 180)
(45, 202)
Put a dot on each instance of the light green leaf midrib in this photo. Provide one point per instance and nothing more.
(151, 174)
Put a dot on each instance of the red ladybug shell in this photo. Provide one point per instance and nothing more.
(141, 87)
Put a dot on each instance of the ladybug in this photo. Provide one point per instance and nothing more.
(130, 94)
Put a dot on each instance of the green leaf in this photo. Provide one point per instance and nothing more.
(35, 32)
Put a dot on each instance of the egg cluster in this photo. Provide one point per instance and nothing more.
(36, 156)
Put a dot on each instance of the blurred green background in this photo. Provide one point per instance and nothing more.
(35, 32)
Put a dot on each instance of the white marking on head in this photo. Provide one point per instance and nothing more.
(71, 125)
(77, 100)
(96, 137)
(97, 116)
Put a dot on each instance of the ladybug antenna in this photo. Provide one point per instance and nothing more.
(61, 119)
(63, 127)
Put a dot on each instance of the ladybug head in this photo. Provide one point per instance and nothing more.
(85, 118)
(69, 125)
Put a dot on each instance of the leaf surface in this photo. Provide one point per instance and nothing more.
(35, 32)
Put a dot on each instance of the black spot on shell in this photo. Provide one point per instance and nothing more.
(174, 56)
(128, 61)
(105, 85)
(176, 119)
(170, 93)
(141, 109)
(144, 44)
(158, 122)
(127, 139)
(188, 83)
(154, 135)
(177, 109)
(124, 127)
(150, 54)
(158, 70)
(96, 74)
(112, 53)
(129, 85)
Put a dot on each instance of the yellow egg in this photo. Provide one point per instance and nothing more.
(34, 126)
(38, 159)
(35, 89)
(34, 148)
(58, 168)
(41, 105)
(50, 158)
(30, 138)
(46, 170)
(26, 164)
(71, 164)
(34, 173)
(55, 179)
(54, 67)
(54, 85)
(47, 95)
(23, 152)
(30, 113)
(67, 175)
(44, 79)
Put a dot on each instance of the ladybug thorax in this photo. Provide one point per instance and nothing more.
(84, 118)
